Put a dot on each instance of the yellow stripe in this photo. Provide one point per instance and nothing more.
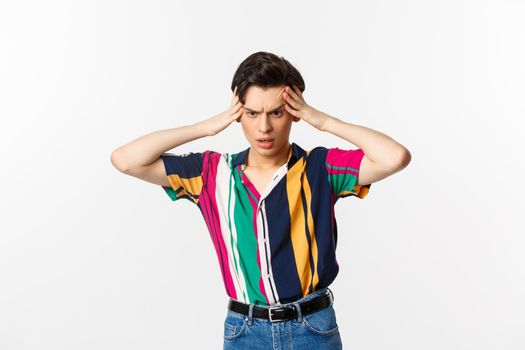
(311, 228)
(191, 186)
(298, 233)
(359, 190)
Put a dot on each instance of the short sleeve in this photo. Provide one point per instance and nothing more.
(343, 171)
(184, 174)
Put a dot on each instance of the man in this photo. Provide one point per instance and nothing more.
(269, 209)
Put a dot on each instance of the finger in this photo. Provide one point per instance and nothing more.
(236, 107)
(293, 96)
(296, 94)
(234, 95)
(291, 110)
(294, 104)
(298, 91)
(234, 100)
(238, 113)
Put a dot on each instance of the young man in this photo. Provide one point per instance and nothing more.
(269, 208)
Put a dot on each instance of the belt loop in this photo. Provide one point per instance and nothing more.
(250, 314)
(299, 313)
(332, 293)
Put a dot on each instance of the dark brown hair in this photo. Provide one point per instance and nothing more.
(265, 69)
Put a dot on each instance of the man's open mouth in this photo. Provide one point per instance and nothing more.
(265, 142)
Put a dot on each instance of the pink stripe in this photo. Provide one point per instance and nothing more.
(247, 182)
(211, 215)
(252, 188)
(343, 158)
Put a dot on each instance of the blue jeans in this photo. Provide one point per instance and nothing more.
(318, 330)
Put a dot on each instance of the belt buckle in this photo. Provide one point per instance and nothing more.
(270, 313)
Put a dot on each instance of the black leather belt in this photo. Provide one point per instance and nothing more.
(286, 312)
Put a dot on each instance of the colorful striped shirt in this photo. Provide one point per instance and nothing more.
(278, 246)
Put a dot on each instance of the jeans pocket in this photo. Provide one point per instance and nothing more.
(234, 325)
(322, 322)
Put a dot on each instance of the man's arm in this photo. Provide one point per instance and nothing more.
(383, 155)
(146, 149)
(141, 157)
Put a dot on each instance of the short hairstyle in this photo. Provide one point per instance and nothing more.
(265, 69)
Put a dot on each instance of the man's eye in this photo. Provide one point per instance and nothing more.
(275, 113)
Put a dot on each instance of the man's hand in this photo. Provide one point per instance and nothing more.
(219, 122)
(296, 106)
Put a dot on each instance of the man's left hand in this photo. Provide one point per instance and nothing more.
(296, 106)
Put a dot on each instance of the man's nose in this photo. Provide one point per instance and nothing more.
(264, 123)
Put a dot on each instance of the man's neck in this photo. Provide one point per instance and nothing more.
(255, 160)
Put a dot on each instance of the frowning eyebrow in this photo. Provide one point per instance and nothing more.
(273, 110)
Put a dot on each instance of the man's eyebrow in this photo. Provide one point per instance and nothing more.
(251, 110)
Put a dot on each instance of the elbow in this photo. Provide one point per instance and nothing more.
(117, 160)
(398, 161)
(403, 159)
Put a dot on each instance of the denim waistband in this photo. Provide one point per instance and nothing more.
(294, 304)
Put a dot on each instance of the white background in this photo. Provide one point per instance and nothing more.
(91, 258)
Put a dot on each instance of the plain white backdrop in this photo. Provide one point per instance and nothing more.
(433, 258)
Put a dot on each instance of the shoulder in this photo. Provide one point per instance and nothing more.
(317, 153)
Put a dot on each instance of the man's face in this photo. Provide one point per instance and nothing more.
(264, 116)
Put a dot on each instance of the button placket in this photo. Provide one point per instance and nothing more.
(269, 188)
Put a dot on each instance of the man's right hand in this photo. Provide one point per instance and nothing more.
(219, 122)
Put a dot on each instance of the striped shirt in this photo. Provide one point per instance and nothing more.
(278, 246)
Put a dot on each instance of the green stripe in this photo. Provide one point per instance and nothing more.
(252, 195)
(342, 182)
(233, 248)
(341, 167)
(246, 241)
(173, 193)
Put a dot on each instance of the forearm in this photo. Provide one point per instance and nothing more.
(148, 148)
(378, 147)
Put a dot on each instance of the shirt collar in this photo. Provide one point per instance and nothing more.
(295, 154)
